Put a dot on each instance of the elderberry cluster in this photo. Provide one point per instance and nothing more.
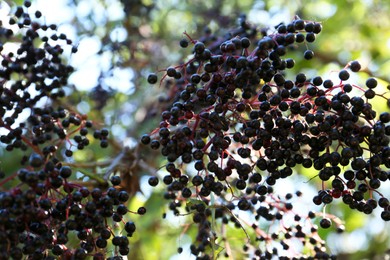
(49, 209)
(38, 224)
(238, 124)
(42, 77)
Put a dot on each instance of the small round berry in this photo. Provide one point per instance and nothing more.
(299, 24)
(65, 172)
(38, 14)
(145, 139)
(171, 72)
(68, 153)
(300, 78)
(27, 3)
(310, 37)
(347, 88)
(184, 43)
(199, 47)
(103, 143)
(167, 179)
(290, 63)
(123, 196)
(130, 227)
(105, 233)
(122, 209)
(116, 217)
(186, 192)
(355, 66)
(309, 27)
(240, 184)
(344, 75)
(371, 83)
(299, 37)
(308, 55)
(141, 210)
(83, 131)
(152, 78)
(116, 241)
(245, 42)
(153, 181)
(124, 250)
(325, 223)
(115, 180)
(101, 242)
(104, 132)
(96, 193)
(317, 28)
(383, 202)
(384, 117)
(385, 215)
(311, 214)
(369, 93)
(328, 83)
(36, 160)
(317, 81)
(155, 144)
(80, 253)
(243, 204)
(197, 180)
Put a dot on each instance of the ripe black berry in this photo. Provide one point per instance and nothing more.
(199, 47)
(145, 139)
(115, 180)
(36, 160)
(308, 55)
(299, 24)
(355, 66)
(183, 43)
(343, 75)
(385, 215)
(299, 37)
(141, 210)
(325, 223)
(130, 227)
(310, 37)
(317, 28)
(153, 181)
(65, 171)
(371, 83)
(152, 78)
(186, 192)
(154, 144)
(101, 242)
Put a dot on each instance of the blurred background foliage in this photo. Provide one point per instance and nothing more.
(121, 41)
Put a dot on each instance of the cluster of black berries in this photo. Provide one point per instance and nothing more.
(237, 125)
(42, 76)
(48, 207)
(39, 221)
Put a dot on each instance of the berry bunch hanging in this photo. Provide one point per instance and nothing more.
(236, 125)
(47, 208)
